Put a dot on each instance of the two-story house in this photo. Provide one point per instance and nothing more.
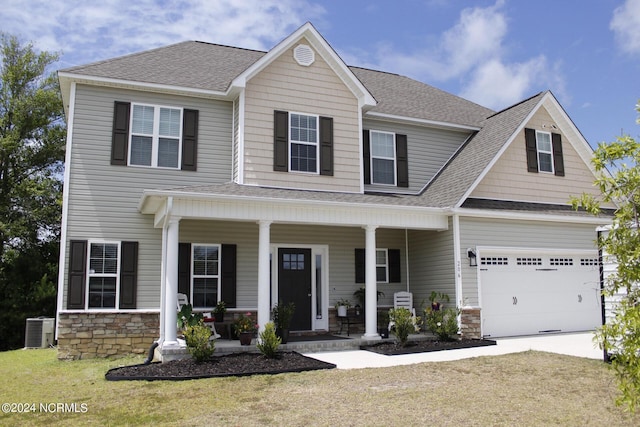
(257, 177)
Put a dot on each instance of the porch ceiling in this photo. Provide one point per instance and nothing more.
(191, 205)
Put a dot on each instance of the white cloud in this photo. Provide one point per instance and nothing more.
(86, 31)
(625, 25)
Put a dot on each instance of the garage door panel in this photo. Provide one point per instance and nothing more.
(531, 293)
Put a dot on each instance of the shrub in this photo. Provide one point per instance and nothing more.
(198, 344)
(442, 323)
(268, 341)
(403, 323)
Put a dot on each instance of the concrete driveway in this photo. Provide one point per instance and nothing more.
(572, 344)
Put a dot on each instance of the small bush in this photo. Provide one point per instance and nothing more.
(442, 323)
(268, 341)
(404, 324)
(198, 344)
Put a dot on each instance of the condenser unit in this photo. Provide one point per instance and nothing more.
(39, 332)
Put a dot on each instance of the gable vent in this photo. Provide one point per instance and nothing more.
(304, 55)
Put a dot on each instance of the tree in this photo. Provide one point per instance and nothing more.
(32, 142)
(621, 336)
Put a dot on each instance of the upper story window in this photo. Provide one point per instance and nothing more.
(545, 152)
(383, 158)
(103, 274)
(303, 138)
(155, 136)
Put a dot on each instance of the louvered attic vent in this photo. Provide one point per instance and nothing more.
(304, 55)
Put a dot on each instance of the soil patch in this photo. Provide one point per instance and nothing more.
(236, 364)
(424, 346)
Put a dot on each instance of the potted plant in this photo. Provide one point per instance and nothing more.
(282, 314)
(341, 306)
(437, 299)
(187, 317)
(245, 327)
(360, 294)
(383, 323)
(219, 311)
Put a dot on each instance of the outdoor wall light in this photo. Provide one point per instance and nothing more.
(472, 258)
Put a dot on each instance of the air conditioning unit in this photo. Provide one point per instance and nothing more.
(39, 332)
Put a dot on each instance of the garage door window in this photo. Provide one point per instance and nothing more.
(494, 260)
(561, 261)
(529, 261)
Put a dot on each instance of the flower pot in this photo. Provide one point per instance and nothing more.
(219, 317)
(342, 311)
(384, 332)
(245, 338)
(283, 334)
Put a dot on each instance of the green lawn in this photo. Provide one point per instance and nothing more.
(525, 389)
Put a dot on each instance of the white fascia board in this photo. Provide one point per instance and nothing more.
(130, 84)
(249, 208)
(499, 154)
(528, 216)
(416, 121)
(323, 48)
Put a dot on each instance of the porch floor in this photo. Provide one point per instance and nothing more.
(300, 344)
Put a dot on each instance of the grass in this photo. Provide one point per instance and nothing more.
(528, 389)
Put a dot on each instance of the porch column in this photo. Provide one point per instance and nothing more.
(171, 283)
(371, 291)
(264, 276)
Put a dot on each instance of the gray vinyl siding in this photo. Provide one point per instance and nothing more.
(103, 199)
(431, 265)
(517, 234)
(341, 241)
(428, 150)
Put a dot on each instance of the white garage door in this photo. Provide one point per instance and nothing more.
(534, 292)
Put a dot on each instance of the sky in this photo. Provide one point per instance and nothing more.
(492, 52)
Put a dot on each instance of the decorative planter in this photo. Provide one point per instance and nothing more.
(384, 332)
(342, 311)
(219, 317)
(245, 338)
(283, 334)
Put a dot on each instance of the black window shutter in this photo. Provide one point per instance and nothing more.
(402, 160)
(77, 274)
(184, 269)
(190, 140)
(326, 146)
(532, 150)
(120, 134)
(394, 266)
(229, 275)
(366, 156)
(128, 274)
(280, 141)
(558, 159)
(360, 268)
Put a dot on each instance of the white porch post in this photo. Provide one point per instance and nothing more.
(171, 283)
(371, 291)
(264, 277)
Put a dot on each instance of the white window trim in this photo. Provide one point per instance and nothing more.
(155, 137)
(385, 265)
(395, 160)
(316, 144)
(539, 151)
(89, 275)
(203, 276)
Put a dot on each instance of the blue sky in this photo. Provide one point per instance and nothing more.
(493, 52)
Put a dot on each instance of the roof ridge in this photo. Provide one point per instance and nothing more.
(226, 45)
(518, 103)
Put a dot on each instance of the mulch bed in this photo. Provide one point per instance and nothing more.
(424, 346)
(236, 364)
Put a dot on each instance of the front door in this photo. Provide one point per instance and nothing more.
(294, 284)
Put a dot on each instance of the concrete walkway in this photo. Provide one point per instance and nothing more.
(578, 344)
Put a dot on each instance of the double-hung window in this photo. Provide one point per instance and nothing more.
(104, 267)
(382, 266)
(303, 140)
(156, 133)
(383, 158)
(545, 151)
(205, 275)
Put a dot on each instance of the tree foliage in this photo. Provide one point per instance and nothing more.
(32, 141)
(620, 336)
